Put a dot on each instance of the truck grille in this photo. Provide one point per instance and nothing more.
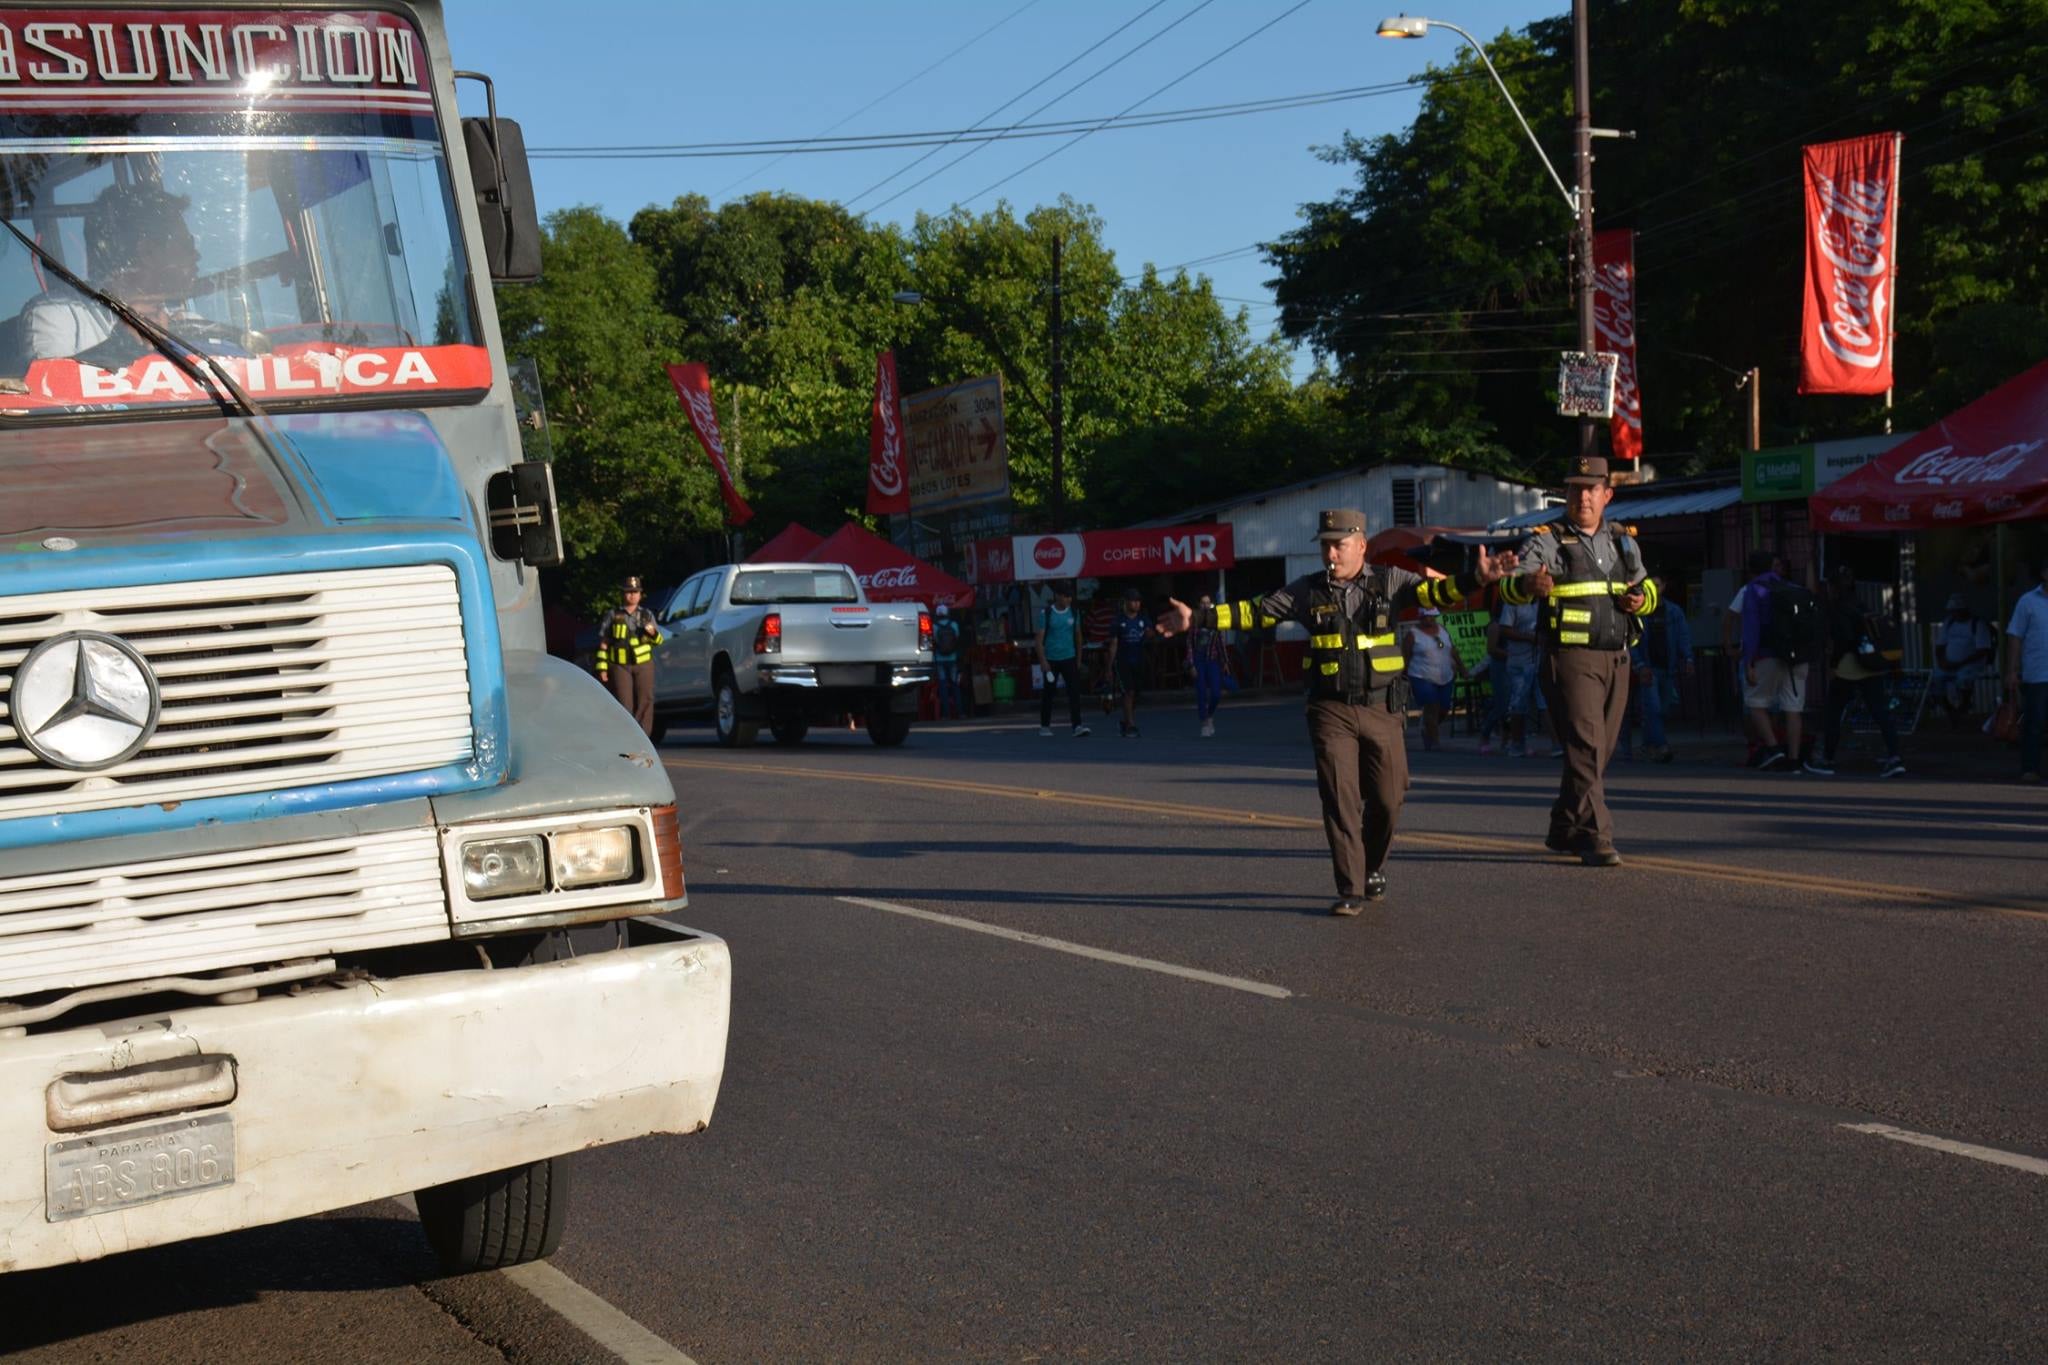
(267, 683)
(90, 927)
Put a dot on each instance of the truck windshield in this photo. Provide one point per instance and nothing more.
(789, 586)
(269, 186)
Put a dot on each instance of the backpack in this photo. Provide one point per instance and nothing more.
(1794, 631)
(946, 638)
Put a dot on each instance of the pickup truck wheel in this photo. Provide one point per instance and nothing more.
(887, 728)
(790, 730)
(733, 732)
(509, 1217)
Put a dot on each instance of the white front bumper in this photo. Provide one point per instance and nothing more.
(348, 1095)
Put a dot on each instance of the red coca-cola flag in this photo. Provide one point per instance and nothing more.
(693, 387)
(1852, 220)
(1614, 321)
(888, 491)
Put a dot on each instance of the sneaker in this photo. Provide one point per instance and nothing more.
(2030, 778)
(1347, 906)
(1600, 857)
(1664, 754)
(1485, 746)
(1045, 731)
(1892, 766)
(1516, 751)
(1208, 729)
(1557, 751)
(1770, 758)
(1082, 732)
(1819, 766)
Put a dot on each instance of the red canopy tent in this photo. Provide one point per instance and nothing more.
(1985, 462)
(888, 572)
(792, 543)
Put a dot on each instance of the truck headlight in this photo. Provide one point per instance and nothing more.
(503, 867)
(592, 857)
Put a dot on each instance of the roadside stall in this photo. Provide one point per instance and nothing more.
(890, 573)
(792, 543)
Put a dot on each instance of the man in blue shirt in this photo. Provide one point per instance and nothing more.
(2026, 672)
(1127, 632)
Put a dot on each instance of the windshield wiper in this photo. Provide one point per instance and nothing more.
(196, 364)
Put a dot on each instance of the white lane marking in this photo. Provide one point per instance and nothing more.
(1236, 983)
(583, 1310)
(2033, 1164)
(595, 1318)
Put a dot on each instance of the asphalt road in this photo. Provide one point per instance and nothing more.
(1047, 1049)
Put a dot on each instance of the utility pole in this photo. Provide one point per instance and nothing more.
(1755, 383)
(1059, 410)
(1582, 143)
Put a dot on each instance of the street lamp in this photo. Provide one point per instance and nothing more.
(1580, 199)
(1054, 416)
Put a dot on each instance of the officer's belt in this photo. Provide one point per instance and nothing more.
(1337, 641)
(1591, 589)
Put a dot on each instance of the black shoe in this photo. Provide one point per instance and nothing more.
(1375, 885)
(1600, 857)
(1557, 843)
(1770, 758)
(1349, 905)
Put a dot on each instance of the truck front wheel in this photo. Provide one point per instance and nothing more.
(733, 732)
(886, 727)
(509, 1217)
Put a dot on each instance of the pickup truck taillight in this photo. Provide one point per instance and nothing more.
(924, 630)
(768, 638)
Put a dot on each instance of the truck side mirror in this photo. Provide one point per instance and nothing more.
(524, 522)
(504, 191)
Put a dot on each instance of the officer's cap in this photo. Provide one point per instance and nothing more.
(632, 583)
(1587, 469)
(1337, 523)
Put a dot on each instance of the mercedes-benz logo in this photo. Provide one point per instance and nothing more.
(84, 700)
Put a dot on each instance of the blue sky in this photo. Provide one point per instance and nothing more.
(675, 71)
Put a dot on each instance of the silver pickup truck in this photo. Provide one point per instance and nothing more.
(786, 645)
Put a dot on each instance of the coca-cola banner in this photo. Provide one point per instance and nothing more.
(1852, 219)
(1614, 317)
(1104, 554)
(1982, 463)
(693, 387)
(888, 492)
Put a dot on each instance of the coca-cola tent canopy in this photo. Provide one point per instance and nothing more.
(888, 572)
(1982, 463)
(792, 543)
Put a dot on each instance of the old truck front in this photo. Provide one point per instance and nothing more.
(319, 881)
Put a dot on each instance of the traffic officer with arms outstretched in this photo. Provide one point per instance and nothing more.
(1591, 573)
(1356, 716)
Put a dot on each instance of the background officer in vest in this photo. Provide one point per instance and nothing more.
(625, 654)
(1356, 715)
(1591, 574)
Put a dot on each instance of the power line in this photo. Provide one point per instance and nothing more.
(1010, 101)
(777, 160)
(1115, 61)
(1301, 4)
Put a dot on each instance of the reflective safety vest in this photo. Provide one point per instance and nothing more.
(1584, 609)
(622, 641)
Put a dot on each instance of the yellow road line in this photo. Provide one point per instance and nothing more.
(1470, 843)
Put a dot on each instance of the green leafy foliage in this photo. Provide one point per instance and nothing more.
(1449, 250)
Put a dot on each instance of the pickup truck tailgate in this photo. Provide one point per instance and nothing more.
(849, 634)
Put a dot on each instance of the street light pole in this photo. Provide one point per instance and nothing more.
(1582, 150)
(1580, 200)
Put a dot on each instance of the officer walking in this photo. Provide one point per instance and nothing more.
(1592, 574)
(625, 654)
(1356, 715)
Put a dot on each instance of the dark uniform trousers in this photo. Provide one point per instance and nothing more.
(633, 685)
(1588, 694)
(1362, 774)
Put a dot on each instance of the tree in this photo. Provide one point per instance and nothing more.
(1448, 251)
(633, 485)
